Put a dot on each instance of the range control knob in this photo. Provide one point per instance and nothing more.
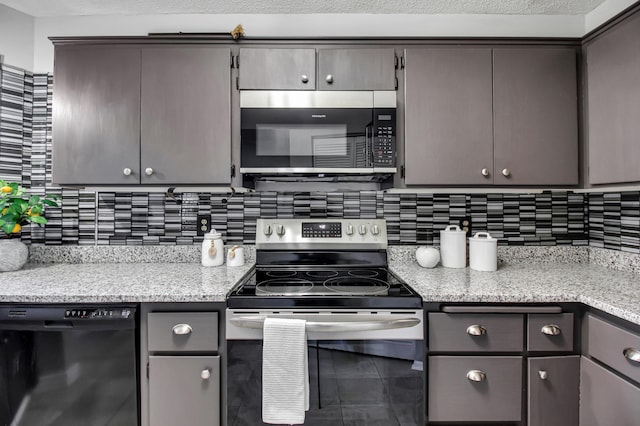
(375, 230)
(267, 230)
(362, 229)
(280, 230)
(349, 229)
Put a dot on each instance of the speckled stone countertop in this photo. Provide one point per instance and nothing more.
(559, 275)
(525, 275)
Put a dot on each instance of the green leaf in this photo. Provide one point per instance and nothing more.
(33, 200)
(36, 209)
(38, 219)
(8, 227)
(20, 204)
(50, 203)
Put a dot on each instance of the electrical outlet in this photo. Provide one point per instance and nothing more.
(203, 225)
(465, 225)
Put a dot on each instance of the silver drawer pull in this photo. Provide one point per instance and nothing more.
(205, 374)
(476, 375)
(182, 329)
(476, 330)
(632, 354)
(551, 330)
(543, 374)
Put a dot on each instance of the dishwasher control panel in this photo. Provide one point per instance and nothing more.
(97, 313)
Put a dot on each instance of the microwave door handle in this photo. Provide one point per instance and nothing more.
(368, 145)
(257, 322)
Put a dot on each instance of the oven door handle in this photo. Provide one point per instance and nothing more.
(257, 322)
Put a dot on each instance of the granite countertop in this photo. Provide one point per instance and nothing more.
(525, 276)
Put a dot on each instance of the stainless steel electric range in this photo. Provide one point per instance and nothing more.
(364, 324)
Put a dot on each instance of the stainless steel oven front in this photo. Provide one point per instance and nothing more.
(365, 366)
(316, 132)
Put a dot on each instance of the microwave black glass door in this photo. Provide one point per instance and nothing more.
(306, 137)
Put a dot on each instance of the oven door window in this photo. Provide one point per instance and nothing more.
(70, 378)
(306, 138)
(350, 382)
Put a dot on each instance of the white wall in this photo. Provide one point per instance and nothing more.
(304, 26)
(16, 37)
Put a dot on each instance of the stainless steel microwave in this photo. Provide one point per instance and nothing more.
(288, 133)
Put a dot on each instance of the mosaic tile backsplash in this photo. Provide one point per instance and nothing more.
(141, 218)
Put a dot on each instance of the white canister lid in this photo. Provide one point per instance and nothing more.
(483, 238)
(212, 235)
(454, 229)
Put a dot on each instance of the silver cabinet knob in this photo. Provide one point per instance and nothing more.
(182, 329)
(476, 375)
(280, 230)
(362, 229)
(126, 171)
(485, 172)
(148, 171)
(267, 230)
(349, 230)
(543, 374)
(304, 78)
(476, 330)
(205, 374)
(632, 354)
(329, 78)
(506, 172)
(375, 230)
(551, 330)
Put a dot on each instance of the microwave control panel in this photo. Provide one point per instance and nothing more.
(384, 137)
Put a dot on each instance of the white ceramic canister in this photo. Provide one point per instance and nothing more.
(453, 247)
(212, 249)
(483, 252)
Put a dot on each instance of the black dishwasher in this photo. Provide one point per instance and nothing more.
(68, 365)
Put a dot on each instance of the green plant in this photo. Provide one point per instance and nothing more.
(17, 208)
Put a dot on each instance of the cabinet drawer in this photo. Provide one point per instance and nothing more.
(605, 398)
(494, 332)
(452, 396)
(541, 329)
(188, 331)
(608, 343)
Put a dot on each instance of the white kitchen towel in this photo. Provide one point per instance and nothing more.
(285, 371)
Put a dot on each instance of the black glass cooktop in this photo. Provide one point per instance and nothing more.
(326, 287)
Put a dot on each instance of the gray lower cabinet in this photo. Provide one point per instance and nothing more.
(96, 114)
(475, 389)
(607, 399)
(553, 391)
(125, 114)
(184, 390)
(491, 116)
(613, 104)
(295, 69)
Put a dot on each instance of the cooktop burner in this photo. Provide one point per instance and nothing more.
(352, 285)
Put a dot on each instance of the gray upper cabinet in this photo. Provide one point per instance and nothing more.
(535, 116)
(356, 69)
(448, 129)
(277, 69)
(295, 69)
(186, 115)
(491, 116)
(96, 114)
(151, 115)
(613, 104)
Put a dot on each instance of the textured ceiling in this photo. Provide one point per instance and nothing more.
(42, 8)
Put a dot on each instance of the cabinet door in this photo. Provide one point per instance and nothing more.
(356, 69)
(613, 104)
(554, 386)
(605, 398)
(535, 116)
(448, 121)
(277, 69)
(96, 115)
(180, 393)
(186, 115)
